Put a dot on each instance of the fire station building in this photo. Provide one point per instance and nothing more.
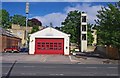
(49, 41)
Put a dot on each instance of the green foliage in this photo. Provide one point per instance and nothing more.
(19, 19)
(5, 21)
(90, 37)
(58, 28)
(71, 26)
(35, 29)
(34, 22)
(73, 50)
(89, 34)
(108, 25)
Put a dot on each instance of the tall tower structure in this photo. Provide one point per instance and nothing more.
(83, 32)
(27, 12)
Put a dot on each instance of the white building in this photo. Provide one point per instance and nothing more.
(83, 32)
(94, 33)
(49, 41)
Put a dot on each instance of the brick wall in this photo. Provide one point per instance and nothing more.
(112, 52)
(6, 42)
(0, 43)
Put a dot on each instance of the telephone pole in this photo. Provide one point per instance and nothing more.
(27, 12)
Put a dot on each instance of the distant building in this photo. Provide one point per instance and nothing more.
(8, 40)
(20, 31)
(73, 46)
(94, 33)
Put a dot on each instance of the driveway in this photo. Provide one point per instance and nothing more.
(25, 58)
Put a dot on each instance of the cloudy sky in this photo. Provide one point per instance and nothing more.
(54, 12)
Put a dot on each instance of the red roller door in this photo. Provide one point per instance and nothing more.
(49, 46)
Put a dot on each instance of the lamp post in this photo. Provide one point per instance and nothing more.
(27, 12)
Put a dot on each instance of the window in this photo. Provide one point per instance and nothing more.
(83, 18)
(59, 46)
(43, 46)
(83, 27)
(83, 36)
(51, 46)
(55, 46)
(38, 48)
(47, 46)
(38, 43)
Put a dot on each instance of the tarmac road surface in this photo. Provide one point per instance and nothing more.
(41, 69)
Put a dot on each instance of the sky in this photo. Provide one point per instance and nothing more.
(54, 12)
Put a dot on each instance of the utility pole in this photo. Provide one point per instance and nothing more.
(27, 12)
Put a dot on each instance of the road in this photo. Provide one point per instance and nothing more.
(41, 69)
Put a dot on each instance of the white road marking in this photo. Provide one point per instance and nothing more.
(112, 74)
(72, 59)
(61, 74)
(104, 67)
(45, 58)
(28, 73)
(112, 67)
(92, 67)
(4, 66)
(56, 74)
(28, 66)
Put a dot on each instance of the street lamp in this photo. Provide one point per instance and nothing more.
(27, 12)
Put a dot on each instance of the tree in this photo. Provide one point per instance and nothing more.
(5, 21)
(19, 19)
(58, 28)
(71, 26)
(34, 22)
(108, 25)
(89, 34)
(35, 29)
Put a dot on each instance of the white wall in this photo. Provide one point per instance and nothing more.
(83, 46)
(32, 45)
(84, 42)
(66, 46)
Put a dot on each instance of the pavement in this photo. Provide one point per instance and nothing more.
(56, 59)
(93, 60)
(22, 64)
(35, 69)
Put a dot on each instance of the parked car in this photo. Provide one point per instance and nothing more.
(12, 49)
(24, 50)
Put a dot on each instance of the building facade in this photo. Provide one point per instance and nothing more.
(94, 33)
(8, 40)
(20, 31)
(49, 41)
